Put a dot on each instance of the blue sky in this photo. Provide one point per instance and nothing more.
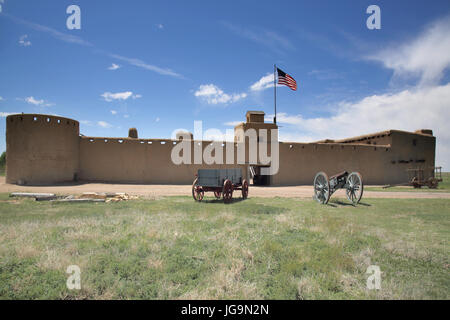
(160, 65)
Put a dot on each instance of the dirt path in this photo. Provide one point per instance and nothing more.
(171, 190)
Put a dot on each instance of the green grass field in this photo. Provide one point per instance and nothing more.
(274, 248)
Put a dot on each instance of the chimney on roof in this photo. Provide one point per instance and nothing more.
(425, 131)
(132, 133)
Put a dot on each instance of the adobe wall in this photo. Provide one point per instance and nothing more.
(299, 162)
(44, 149)
(138, 161)
(378, 164)
(41, 149)
(379, 138)
(413, 150)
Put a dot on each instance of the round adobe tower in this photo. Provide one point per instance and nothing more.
(41, 149)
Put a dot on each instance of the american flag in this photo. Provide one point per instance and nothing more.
(287, 80)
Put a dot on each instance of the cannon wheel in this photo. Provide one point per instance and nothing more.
(197, 191)
(321, 188)
(355, 187)
(218, 194)
(227, 191)
(244, 189)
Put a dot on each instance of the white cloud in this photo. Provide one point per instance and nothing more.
(137, 96)
(23, 41)
(104, 124)
(141, 64)
(86, 122)
(113, 112)
(157, 119)
(126, 116)
(420, 108)
(32, 100)
(36, 102)
(212, 94)
(78, 40)
(54, 33)
(1, 99)
(109, 96)
(263, 83)
(114, 67)
(232, 123)
(426, 57)
(160, 26)
(5, 114)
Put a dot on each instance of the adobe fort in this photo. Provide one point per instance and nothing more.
(44, 149)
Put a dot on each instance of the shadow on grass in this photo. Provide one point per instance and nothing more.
(336, 203)
(233, 200)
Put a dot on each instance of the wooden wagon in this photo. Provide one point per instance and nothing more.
(220, 181)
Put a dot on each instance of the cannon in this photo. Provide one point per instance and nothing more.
(220, 181)
(324, 187)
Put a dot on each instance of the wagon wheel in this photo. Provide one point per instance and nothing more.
(355, 187)
(227, 191)
(218, 194)
(415, 183)
(244, 189)
(321, 188)
(433, 183)
(197, 191)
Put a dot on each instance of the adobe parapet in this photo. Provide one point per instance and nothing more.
(41, 149)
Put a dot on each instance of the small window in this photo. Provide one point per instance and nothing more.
(106, 140)
(150, 142)
(59, 121)
(35, 118)
(163, 142)
(91, 140)
(48, 119)
(120, 141)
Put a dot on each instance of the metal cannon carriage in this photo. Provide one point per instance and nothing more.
(220, 181)
(352, 183)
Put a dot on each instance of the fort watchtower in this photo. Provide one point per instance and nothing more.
(41, 149)
(255, 128)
